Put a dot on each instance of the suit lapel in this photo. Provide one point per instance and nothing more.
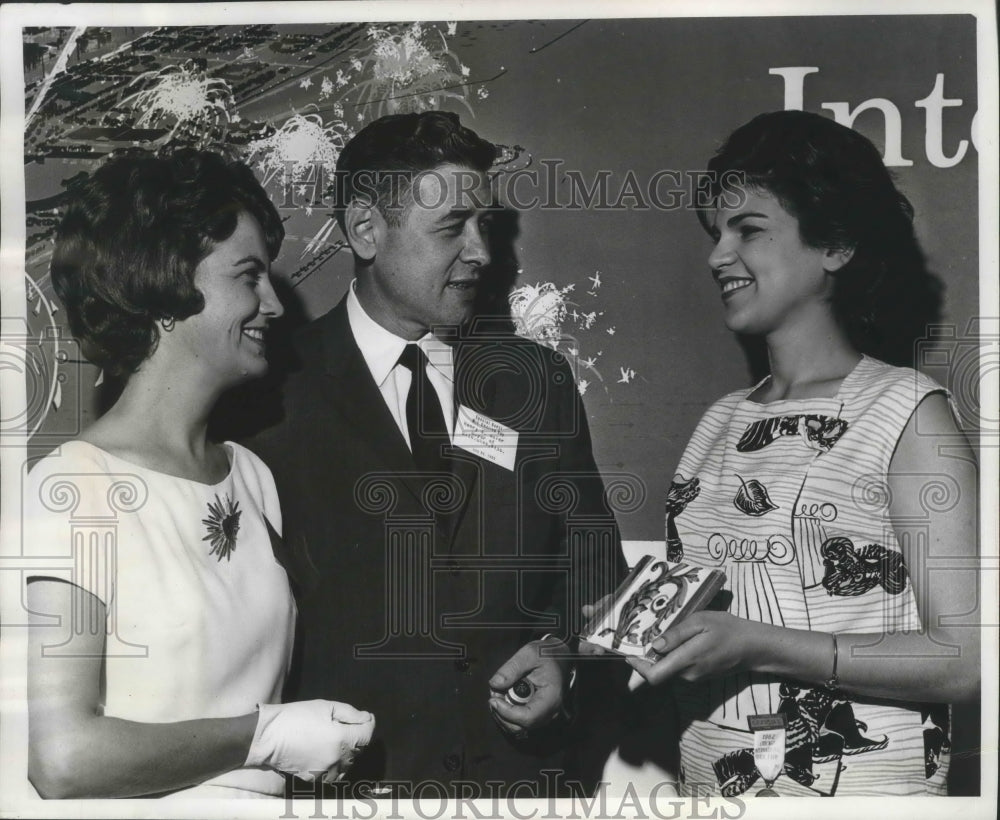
(357, 398)
(465, 466)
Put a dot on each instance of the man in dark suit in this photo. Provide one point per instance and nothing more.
(443, 516)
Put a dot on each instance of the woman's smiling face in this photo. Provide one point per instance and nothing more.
(226, 341)
(768, 276)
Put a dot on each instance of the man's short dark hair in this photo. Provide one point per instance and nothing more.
(131, 238)
(381, 162)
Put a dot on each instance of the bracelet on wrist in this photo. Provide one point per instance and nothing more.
(833, 681)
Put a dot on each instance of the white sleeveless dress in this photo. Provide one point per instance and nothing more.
(200, 616)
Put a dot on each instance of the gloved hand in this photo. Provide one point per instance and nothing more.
(309, 738)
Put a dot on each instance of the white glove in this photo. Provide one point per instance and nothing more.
(309, 738)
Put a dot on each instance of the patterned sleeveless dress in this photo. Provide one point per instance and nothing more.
(791, 499)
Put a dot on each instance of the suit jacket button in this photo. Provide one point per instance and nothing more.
(451, 762)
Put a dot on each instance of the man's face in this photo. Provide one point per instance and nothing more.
(426, 270)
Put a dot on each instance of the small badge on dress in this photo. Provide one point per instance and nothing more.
(485, 437)
(768, 748)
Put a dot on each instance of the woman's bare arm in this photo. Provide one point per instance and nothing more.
(934, 511)
(76, 752)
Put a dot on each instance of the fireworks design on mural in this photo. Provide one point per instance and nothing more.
(541, 312)
(284, 101)
(298, 147)
(408, 70)
(197, 106)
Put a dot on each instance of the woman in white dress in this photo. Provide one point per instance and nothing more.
(830, 493)
(160, 643)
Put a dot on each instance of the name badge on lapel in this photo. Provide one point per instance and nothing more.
(485, 437)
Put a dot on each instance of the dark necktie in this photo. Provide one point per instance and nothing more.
(424, 419)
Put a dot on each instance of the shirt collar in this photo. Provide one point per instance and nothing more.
(381, 349)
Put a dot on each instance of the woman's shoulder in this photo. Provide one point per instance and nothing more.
(75, 455)
(251, 470)
(246, 460)
(255, 476)
(717, 417)
(876, 370)
(78, 478)
(875, 381)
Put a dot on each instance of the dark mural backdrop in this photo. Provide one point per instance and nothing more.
(605, 125)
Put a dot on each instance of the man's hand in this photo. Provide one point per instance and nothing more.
(546, 665)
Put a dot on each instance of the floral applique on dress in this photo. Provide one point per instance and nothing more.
(819, 432)
(682, 492)
(223, 525)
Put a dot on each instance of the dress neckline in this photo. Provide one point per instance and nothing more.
(227, 445)
(837, 398)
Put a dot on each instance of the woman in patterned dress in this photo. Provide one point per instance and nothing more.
(160, 640)
(829, 492)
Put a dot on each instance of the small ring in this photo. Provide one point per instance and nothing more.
(520, 693)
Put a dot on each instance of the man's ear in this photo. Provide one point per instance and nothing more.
(835, 258)
(361, 224)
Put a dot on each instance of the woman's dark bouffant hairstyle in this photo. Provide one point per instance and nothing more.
(833, 180)
(131, 238)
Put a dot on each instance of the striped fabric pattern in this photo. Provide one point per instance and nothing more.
(793, 503)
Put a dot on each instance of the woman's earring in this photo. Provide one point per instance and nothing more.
(167, 324)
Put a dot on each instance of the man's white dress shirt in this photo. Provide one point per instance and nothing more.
(381, 351)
